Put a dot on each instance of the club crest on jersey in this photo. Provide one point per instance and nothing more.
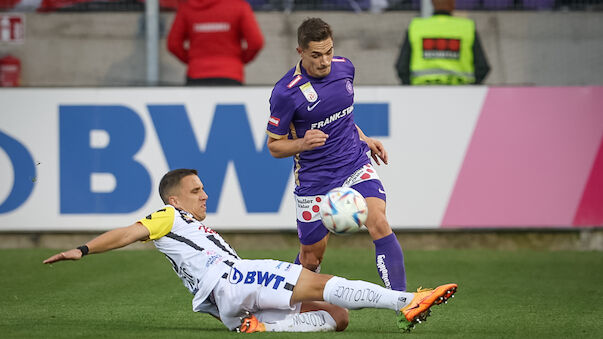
(309, 92)
(349, 87)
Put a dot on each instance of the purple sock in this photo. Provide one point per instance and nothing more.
(390, 262)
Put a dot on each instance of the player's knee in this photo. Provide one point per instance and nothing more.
(311, 266)
(378, 226)
(310, 261)
(376, 217)
(341, 317)
(381, 221)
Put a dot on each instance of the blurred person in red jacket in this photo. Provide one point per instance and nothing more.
(215, 38)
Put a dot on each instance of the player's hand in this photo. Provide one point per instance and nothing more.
(313, 138)
(377, 150)
(73, 254)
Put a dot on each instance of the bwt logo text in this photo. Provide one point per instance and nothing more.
(262, 178)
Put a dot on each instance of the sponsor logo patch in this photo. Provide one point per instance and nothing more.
(349, 294)
(274, 121)
(383, 270)
(309, 92)
(308, 208)
(207, 229)
(255, 277)
(310, 318)
(310, 108)
(212, 258)
(367, 172)
(441, 48)
(332, 118)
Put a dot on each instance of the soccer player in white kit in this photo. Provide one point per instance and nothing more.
(250, 295)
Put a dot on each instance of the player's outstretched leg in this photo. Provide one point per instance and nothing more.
(419, 308)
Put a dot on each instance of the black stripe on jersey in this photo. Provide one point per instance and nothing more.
(221, 246)
(187, 217)
(184, 240)
(150, 216)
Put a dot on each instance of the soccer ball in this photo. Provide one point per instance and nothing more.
(343, 210)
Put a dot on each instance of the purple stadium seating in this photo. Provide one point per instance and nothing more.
(486, 4)
(346, 5)
(477, 4)
(538, 4)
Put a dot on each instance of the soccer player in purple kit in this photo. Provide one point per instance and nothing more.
(312, 120)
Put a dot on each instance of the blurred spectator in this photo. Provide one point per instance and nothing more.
(215, 38)
(442, 50)
(8, 4)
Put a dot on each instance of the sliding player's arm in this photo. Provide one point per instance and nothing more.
(283, 147)
(113, 239)
(377, 149)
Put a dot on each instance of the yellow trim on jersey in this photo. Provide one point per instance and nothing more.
(297, 167)
(293, 132)
(275, 136)
(159, 223)
(306, 86)
(296, 157)
(297, 69)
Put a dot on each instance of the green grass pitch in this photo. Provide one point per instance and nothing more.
(523, 294)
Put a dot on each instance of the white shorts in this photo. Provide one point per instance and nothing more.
(261, 287)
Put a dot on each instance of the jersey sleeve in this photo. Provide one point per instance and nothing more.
(351, 69)
(281, 114)
(159, 223)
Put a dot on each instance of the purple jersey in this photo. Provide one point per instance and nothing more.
(300, 102)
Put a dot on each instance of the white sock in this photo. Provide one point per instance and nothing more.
(356, 294)
(315, 321)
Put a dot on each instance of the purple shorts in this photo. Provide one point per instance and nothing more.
(310, 229)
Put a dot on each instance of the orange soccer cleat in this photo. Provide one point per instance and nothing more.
(250, 324)
(419, 308)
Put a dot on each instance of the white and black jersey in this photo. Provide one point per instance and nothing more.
(197, 253)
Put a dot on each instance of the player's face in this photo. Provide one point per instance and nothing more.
(191, 197)
(316, 59)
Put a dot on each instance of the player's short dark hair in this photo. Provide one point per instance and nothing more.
(313, 29)
(171, 180)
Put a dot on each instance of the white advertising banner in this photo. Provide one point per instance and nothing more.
(91, 159)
